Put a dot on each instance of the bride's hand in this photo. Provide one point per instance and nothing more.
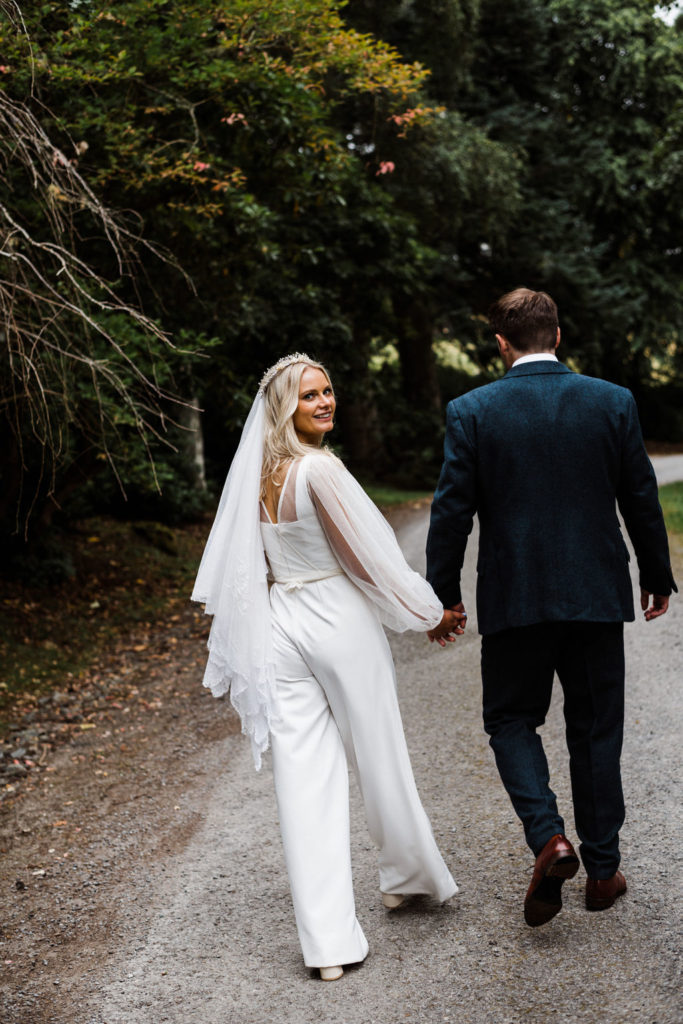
(452, 625)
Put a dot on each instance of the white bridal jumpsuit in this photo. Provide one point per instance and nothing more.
(336, 568)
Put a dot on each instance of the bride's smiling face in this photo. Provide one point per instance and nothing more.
(314, 415)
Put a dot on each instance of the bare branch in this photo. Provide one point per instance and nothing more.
(56, 309)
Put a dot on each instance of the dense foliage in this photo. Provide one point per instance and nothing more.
(587, 96)
(357, 180)
(591, 91)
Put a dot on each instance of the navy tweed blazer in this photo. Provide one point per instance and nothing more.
(544, 456)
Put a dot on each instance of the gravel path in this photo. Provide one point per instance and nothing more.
(202, 929)
(669, 468)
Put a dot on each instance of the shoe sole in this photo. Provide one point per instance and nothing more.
(546, 900)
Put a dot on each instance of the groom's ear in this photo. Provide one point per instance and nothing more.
(503, 344)
(557, 342)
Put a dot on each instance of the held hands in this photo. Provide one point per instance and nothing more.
(658, 607)
(451, 626)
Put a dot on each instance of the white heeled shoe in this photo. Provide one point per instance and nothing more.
(331, 973)
(392, 900)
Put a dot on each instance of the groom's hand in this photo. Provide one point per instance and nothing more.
(452, 625)
(658, 607)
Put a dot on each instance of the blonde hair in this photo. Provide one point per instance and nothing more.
(280, 388)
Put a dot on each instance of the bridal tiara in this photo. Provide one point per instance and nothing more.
(269, 375)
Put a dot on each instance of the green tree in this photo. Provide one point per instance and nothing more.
(440, 34)
(217, 126)
(456, 185)
(589, 96)
(70, 390)
(585, 99)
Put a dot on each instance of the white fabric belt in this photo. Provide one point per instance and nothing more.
(297, 582)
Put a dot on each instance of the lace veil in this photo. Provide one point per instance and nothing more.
(232, 583)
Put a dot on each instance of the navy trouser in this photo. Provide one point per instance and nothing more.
(518, 666)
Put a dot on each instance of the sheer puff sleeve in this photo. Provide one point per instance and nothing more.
(367, 549)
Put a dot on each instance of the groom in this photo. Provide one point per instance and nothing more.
(543, 457)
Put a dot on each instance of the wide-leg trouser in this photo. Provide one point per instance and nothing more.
(338, 704)
(518, 666)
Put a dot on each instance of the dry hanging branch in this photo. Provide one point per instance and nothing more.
(56, 312)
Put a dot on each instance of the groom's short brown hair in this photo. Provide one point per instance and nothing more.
(527, 319)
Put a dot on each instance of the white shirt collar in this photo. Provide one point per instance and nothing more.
(533, 357)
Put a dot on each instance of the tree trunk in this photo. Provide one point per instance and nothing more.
(192, 442)
(415, 334)
(357, 409)
(10, 493)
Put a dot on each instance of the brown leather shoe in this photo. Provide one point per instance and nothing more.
(602, 892)
(556, 861)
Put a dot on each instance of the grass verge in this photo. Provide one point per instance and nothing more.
(390, 497)
(671, 498)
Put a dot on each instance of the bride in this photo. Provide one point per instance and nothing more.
(299, 572)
